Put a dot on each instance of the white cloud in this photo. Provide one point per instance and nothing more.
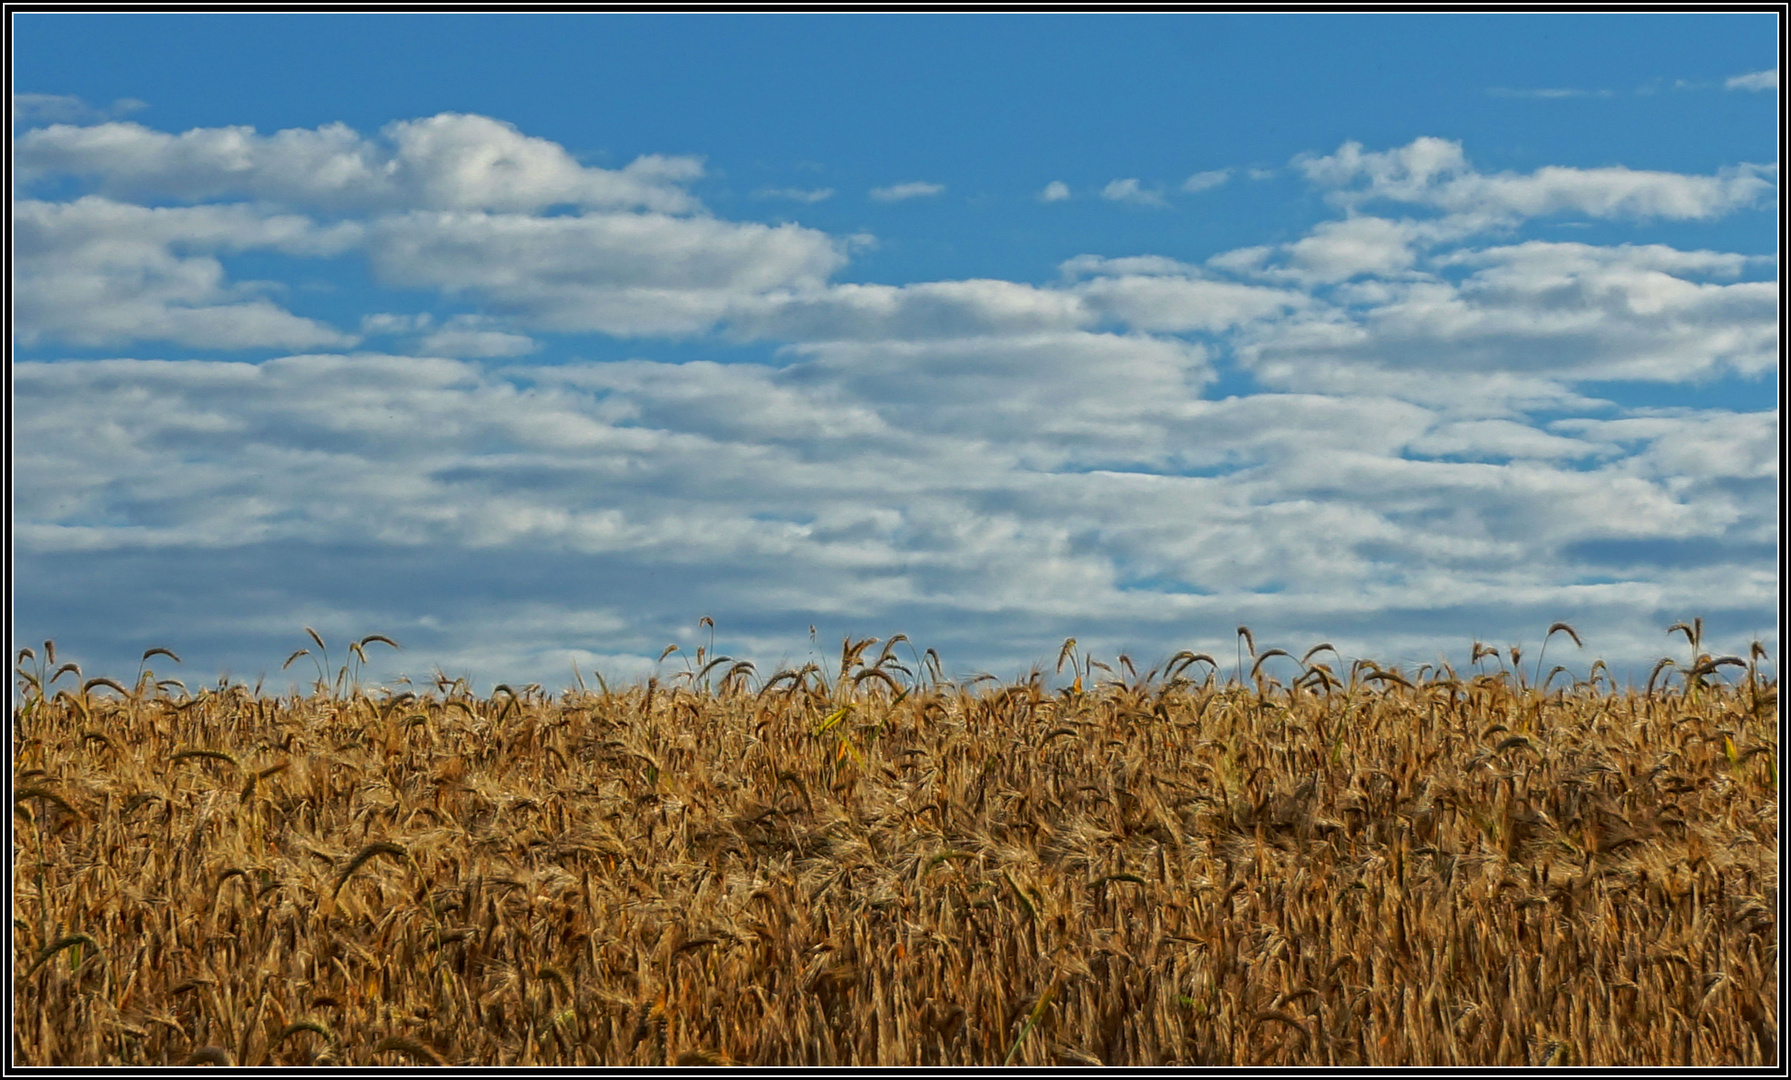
(1086, 265)
(1146, 293)
(1685, 447)
(386, 323)
(450, 161)
(1154, 299)
(63, 109)
(929, 310)
(1338, 250)
(1405, 173)
(625, 263)
(988, 465)
(1611, 192)
(1357, 246)
(725, 402)
(1499, 438)
(472, 336)
(1051, 397)
(1545, 311)
(53, 108)
(798, 194)
(614, 273)
(1203, 181)
(917, 189)
(1435, 172)
(1055, 191)
(1244, 261)
(1755, 80)
(96, 272)
(737, 489)
(1129, 191)
(468, 162)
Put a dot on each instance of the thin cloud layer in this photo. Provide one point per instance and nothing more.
(804, 195)
(1755, 80)
(1206, 181)
(1417, 448)
(1435, 172)
(63, 109)
(915, 189)
(1547, 312)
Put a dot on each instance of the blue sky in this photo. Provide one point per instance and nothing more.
(530, 340)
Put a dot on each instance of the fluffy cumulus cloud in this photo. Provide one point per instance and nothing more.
(451, 161)
(452, 203)
(1153, 293)
(1405, 302)
(1418, 454)
(1339, 250)
(640, 273)
(98, 272)
(1130, 191)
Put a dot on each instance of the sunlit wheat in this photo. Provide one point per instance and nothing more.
(1357, 866)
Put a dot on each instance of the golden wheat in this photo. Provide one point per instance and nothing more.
(1364, 866)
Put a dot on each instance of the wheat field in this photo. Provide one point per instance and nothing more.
(1282, 861)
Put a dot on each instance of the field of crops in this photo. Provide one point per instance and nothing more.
(1296, 861)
